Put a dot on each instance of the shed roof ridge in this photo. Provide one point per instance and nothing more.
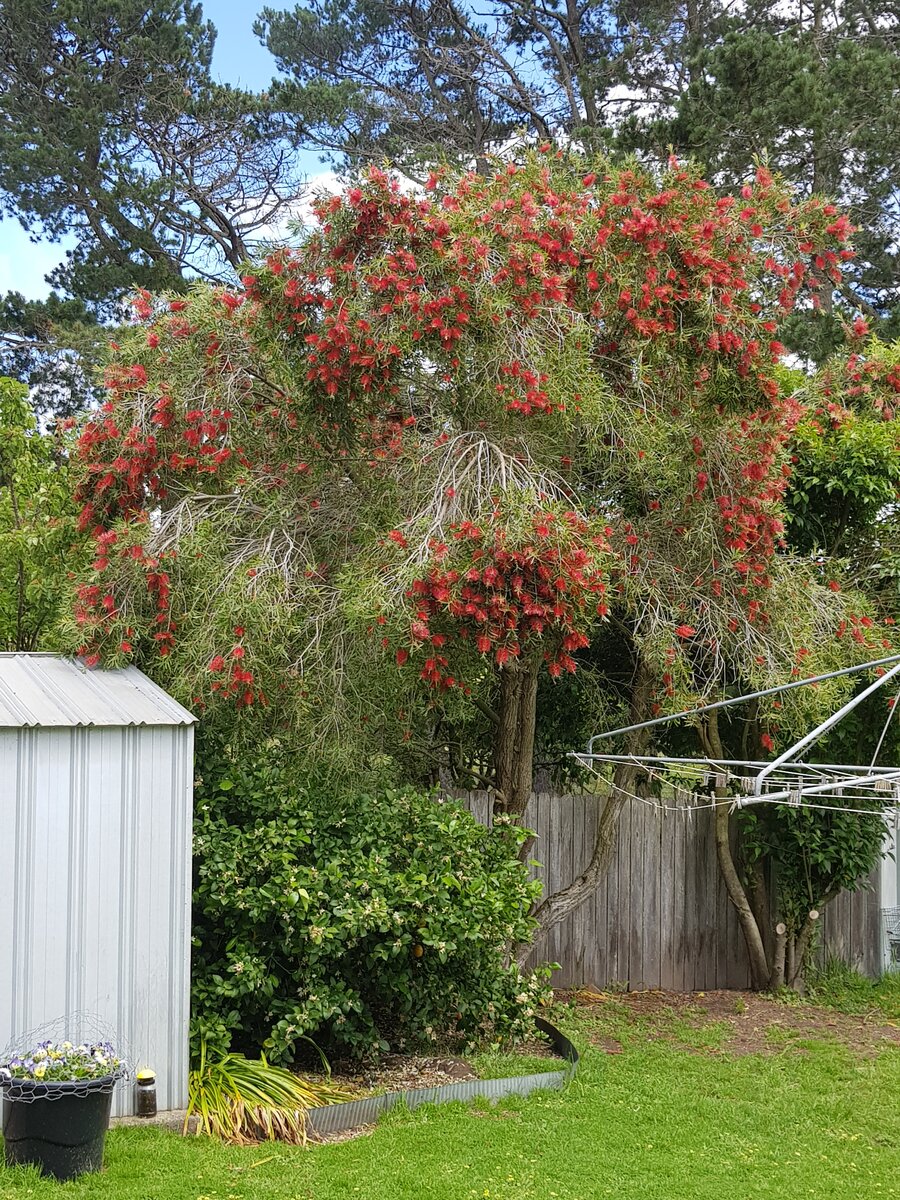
(40, 689)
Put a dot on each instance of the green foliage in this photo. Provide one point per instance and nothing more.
(56, 346)
(843, 478)
(366, 922)
(113, 65)
(812, 91)
(845, 474)
(113, 133)
(838, 986)
(244, 1101)
(321, 540)
(814, 854)
(38, 540)
(364, 78)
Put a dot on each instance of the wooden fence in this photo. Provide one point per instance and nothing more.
(661, 917)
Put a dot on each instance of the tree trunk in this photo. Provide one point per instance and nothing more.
(794, 976)
(514, 740)
(759, 902)
(759, 965)
(779, 959)
(557, 907)
(760, 969)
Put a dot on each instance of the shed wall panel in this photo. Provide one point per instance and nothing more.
(95, 912)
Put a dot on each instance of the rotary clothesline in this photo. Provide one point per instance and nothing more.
(757, 782)
(671, 772)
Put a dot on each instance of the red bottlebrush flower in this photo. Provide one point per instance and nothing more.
(766, 742)
(177, 305)
(685, 631)
(834, 585)
(126, 647)
(841, 228)
(217, 663)
(141, 305)
(402, 656)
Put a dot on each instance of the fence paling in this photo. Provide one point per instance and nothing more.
(660, 919)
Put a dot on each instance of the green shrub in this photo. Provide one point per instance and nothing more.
(367, 922)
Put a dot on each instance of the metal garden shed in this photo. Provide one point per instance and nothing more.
(96, 781)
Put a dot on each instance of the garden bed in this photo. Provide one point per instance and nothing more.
(400, 1072)
(414, 1079)
(547, 1062)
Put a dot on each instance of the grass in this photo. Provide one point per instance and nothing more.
(497, 1065)
(840, 987)
(654, 1122)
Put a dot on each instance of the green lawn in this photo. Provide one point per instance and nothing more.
(685, 1121)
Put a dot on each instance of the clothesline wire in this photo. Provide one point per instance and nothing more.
(688, 809)
(892, 708)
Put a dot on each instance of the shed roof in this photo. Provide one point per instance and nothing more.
(38, 690)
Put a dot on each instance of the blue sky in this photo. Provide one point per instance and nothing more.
(239, 59)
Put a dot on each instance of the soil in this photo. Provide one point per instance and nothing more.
(402, 1072)
(750, 1023)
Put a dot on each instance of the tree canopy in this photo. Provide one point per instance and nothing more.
(37, 525)
(461, 437)
(811, 91)
(55, 346)
(113, 132)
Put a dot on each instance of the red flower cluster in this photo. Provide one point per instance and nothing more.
(503, 599)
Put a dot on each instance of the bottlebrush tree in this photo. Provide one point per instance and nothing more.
(448, 436)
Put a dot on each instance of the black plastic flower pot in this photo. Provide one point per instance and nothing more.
(60, 1128)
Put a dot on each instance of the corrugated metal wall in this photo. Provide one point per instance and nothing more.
(95, 825)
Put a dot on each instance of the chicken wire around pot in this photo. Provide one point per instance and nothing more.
(75, 1055)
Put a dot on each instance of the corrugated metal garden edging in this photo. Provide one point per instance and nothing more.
(332, 1118)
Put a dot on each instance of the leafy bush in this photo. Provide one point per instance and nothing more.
(366, 922)
(815, 853)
